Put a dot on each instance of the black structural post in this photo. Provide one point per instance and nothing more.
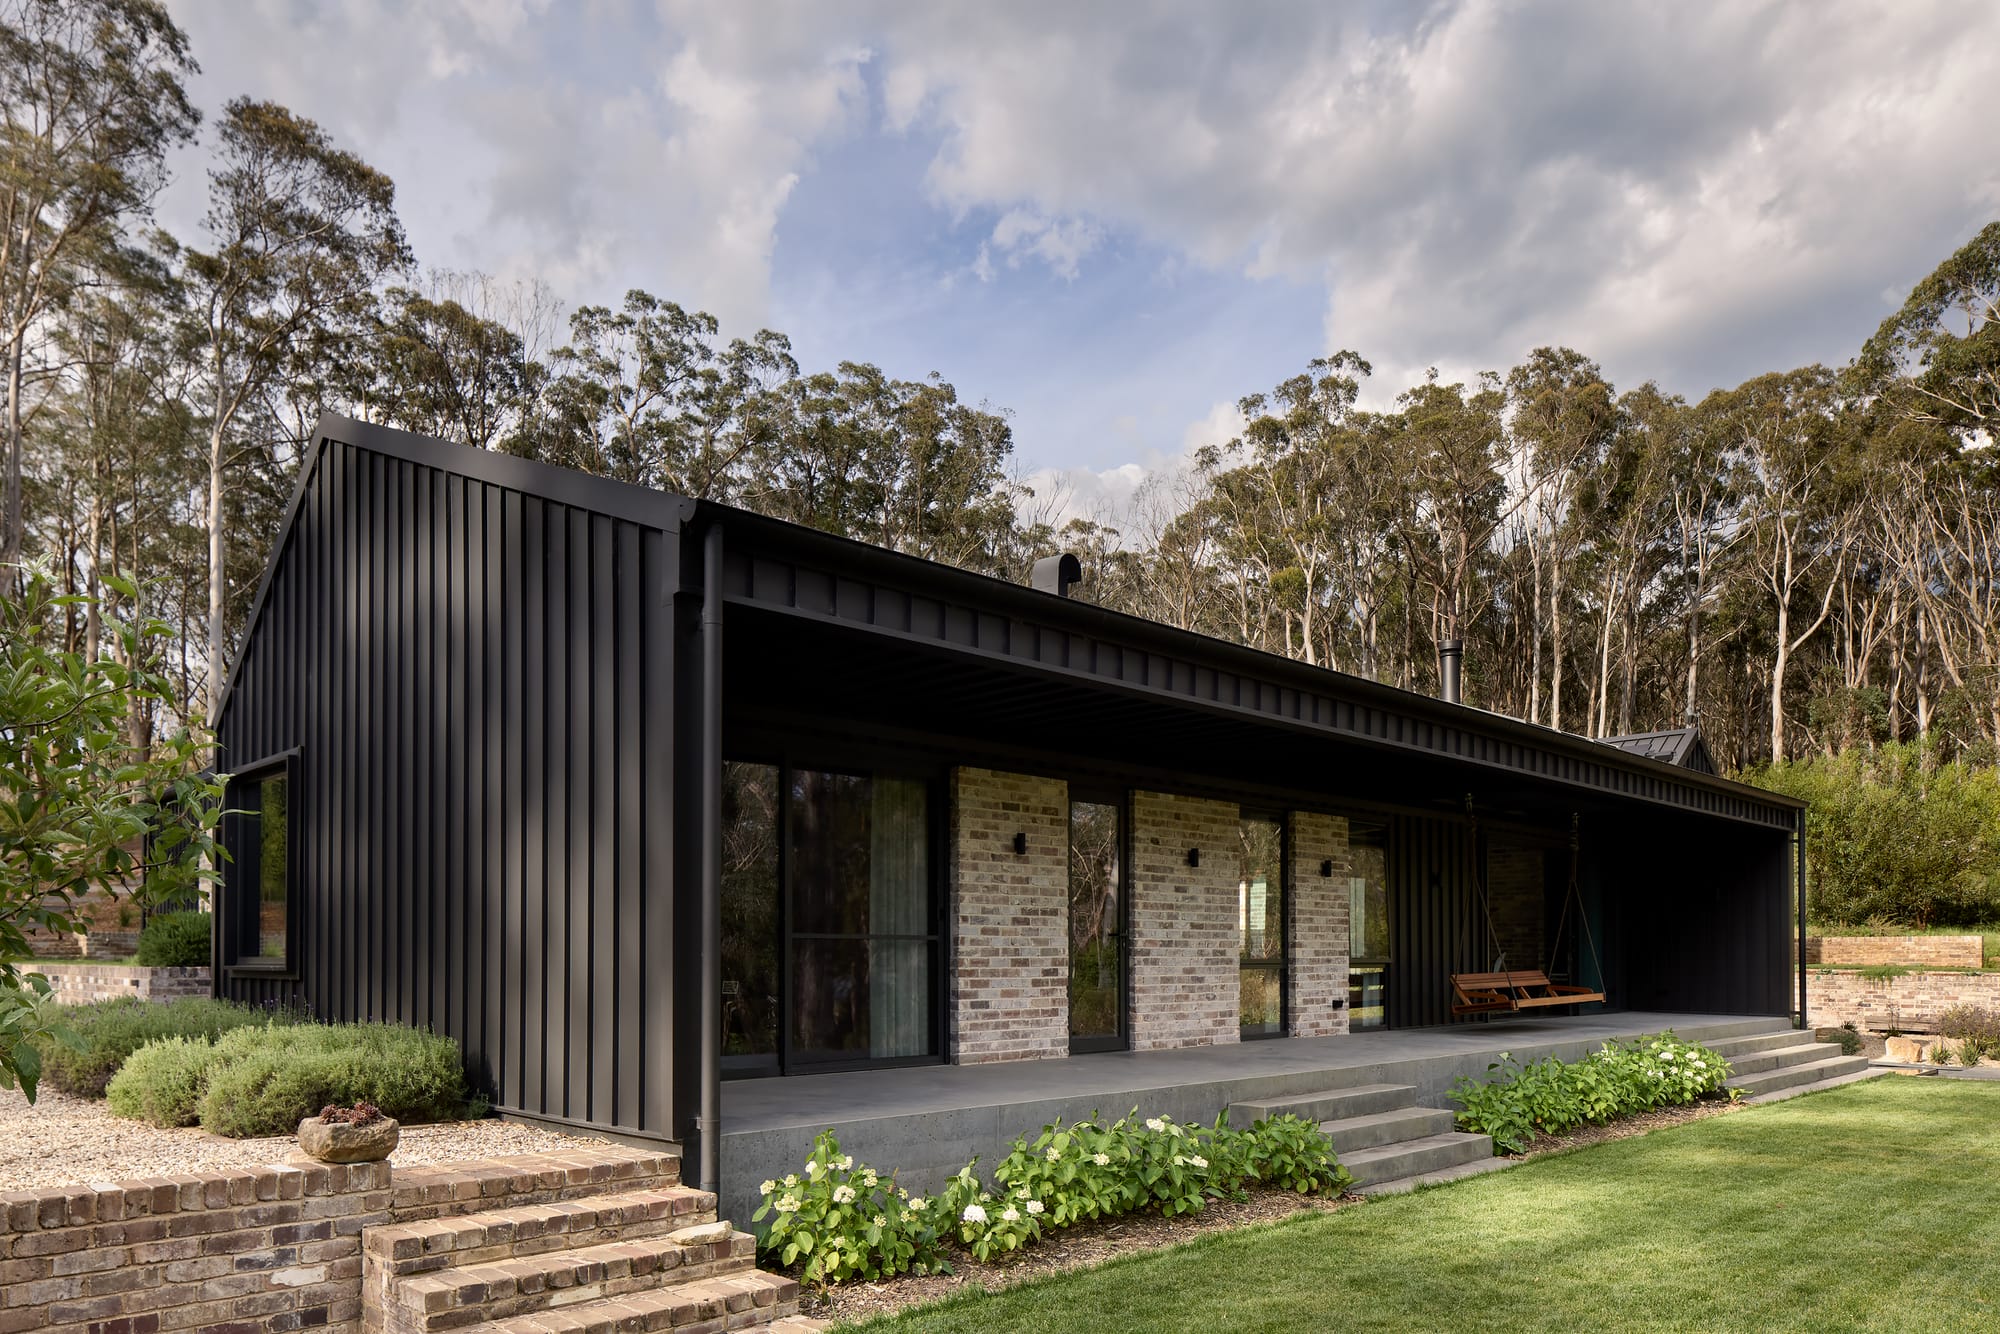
(1799, 871)
(708, 1121)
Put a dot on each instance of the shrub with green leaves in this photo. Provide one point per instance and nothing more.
(1975, 1028)
(175, 940)
(162, 1082)
(108, 1032)
(265, 1077)
(1516, 1102)
(840, 1220)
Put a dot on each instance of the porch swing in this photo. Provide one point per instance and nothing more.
(1512, 990)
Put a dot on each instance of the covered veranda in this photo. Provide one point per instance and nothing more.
(925, 1122)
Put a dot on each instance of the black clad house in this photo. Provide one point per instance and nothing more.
(632, 793)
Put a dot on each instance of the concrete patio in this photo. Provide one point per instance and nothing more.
(925, 1122)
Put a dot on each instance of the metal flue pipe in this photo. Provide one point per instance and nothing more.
(1451, 652)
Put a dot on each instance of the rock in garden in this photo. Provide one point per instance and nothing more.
(331, 1142)
(1906, 1049)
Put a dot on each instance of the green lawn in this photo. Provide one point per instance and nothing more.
(1866, 1207)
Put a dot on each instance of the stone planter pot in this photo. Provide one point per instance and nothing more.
(335, 1142)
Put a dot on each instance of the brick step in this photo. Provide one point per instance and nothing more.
(748, 1300)
(1326, 1105)
(1393, 1127)
(470, 1187)
(1416, 1157)
(1778, 1058)
(1793, 1076)
(531, 1229)
(1731, 1048)
(465, 1295)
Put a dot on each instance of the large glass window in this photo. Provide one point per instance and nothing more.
(1261, 918)
(1367, 925)
(258, 836)
(829, 934)
(1096, 927)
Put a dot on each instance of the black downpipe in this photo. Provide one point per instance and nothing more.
(1799, 844)
(708, 1120)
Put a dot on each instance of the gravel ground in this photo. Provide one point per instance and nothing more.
(62, 1141)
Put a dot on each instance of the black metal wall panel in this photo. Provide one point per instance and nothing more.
(478, 680)
(1435, 918)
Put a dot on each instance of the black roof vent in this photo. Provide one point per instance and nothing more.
(1055, 574)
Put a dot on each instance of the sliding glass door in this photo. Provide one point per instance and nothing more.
(830, 945)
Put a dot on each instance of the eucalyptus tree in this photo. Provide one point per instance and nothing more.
(301, 231)
(91, 100)
(444, 371)
(1563, 416)
(1939, 355)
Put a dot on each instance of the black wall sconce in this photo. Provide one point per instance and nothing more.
(1194, 856)
(1020, 845)
(1326, 869)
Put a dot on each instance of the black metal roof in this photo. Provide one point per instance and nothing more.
(793, 571)
(1680, 746)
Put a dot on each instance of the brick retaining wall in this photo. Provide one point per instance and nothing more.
(1911, 1003)
(275, 1248)
(1936, 951)
(81, 983)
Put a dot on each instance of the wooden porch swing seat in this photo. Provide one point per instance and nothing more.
(1517, 989)
(1511, 990)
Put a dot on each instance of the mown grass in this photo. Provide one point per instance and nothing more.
(1866, 1207)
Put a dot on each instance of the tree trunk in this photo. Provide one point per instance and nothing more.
(218, 575)
(1778, 665)
(1555, 646)
(10, 508)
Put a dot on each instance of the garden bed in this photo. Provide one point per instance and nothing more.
(1090, 1244)
(63, 1140)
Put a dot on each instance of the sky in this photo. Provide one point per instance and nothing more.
(1116, 219)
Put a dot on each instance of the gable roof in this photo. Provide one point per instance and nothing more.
(1680, 746)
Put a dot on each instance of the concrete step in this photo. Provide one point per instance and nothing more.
(531, 1229)
(1416, 1157)
(1795, 1076)
(1778, 1058)
(1403, 1185)
(1779, 1095)
(1378, 1128)
(749, 1300)
(1731, 1048)
(1327, 1105)
(464, 1295)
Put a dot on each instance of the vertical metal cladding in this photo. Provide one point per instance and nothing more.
(478, 680)
(1435, 918)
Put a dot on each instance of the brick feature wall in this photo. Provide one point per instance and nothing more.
(1911, 1003)
(274, 1248)
(1010, 917)
(1317, 949)
(1185, 931)
(82, 983)
(1934, 951)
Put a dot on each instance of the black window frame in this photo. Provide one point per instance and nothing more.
(240, 928)
(784, 1063)
(1283, 819)
(1383, 963)
(1121, 799)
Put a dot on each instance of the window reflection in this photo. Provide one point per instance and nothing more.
(1096, 939)
(1261, 925)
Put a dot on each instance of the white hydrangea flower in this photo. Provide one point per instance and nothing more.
(1034, 1206)
(1101, 1159)
(918, 1204)
(1155, 1124)
(1054, 1156)
(788, 1204)
(843, 1194)
(881, 1221)
(765, 1188)
(844, 1162)
(868, 1177)
(973, 1214)
(1666, 1056)
(792, 1179)
(1199, 1162)
(1010, 1215)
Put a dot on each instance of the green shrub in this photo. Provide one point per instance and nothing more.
(175, 940)
(1516, 1102)
(264, 1081)
(1975, 1028)
(1849, 1040)
(1884, 972)
(110, 1031)
(162, 1082)
(1894, 835)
